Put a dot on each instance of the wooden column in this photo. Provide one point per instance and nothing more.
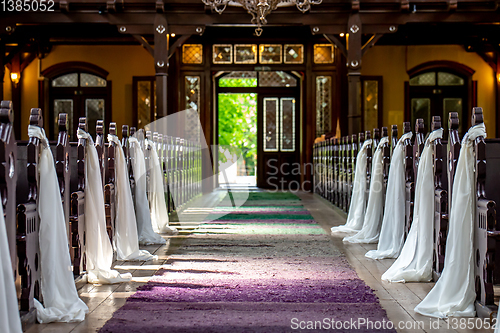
(2, 68)
(161, 39)
(354, 54)
(16, 94)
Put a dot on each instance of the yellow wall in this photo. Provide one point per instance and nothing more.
(122, 63)
(392, 62)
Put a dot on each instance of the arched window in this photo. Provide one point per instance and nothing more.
(80, 90)
(438, 88)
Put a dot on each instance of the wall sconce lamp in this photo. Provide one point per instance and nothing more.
(14, 77)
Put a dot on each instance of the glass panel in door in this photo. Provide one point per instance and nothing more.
(63, 106)
(421, 108)
(94, 110)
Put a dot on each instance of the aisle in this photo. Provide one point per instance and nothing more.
(266, 266)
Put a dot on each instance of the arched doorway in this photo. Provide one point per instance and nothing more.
(438, 88)
(79, 89)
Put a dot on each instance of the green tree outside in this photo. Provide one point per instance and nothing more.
(238, 128)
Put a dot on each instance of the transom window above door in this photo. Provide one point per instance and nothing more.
(79, 80)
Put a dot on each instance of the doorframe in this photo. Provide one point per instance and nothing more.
(259, 91)
(45, 99)
(448, 66)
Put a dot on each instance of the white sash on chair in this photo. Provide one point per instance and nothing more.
(374, 209)
(414, 264)
(159, 214)
(59, 293)
(454, 293)
(146, 234)
(9, 313)
(125, 240)
(392, 233)
(99, 249)
(357, 207)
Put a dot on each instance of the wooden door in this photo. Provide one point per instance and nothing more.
(278, 165)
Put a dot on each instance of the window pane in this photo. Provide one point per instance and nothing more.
(270, 53)
(192, 53)
(276, 79)
(323, 54)
(323, 104)
(94, 111)
(222, 53)
(144, 103)
(294, 53)
(448, 79)
(63, 106)
(245, 53)
(192, 84)
(270, 124)
(370, 99)
(287, 135)
(239, 79)
(89, 80)
(68, 80)
(426, 79)
(421, 108)
(453, 105)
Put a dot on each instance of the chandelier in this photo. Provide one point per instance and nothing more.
(259, 9)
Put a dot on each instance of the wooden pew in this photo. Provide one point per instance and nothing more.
(109, 187)
(28, 222)
(126, 151)
(486, 249)
(394, 137)
(354, 154)
(412, 155)
(168, 171)
(453, 149)
(8, 177)
(164, 166)
(77, 215)
(369, 156)
(441, 216)
(386, 159)
(63, 169)
(348, 173)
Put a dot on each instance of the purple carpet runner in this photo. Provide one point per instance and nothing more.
(255, 268)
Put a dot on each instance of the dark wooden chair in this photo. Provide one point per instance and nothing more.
(440, 201)
(486, 233)
(63, 169)
(8, 177)
(453, 150)
(336, 172)
(126, 151)
(28, 221)
(77, 215)
(354, 154)
(386, 159)
(109, 184)
(369, 156)
(410, 176)
(394, 137)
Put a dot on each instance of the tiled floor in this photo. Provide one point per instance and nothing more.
(397, 299)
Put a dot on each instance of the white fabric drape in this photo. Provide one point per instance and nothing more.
(357, 207)
(158, 206)
(9, 313)
(125, 239)
(392, 232)
(454, 292)
(144, 227)
(99, 249)
(374, 209)
(58, 288)
(414, 264)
